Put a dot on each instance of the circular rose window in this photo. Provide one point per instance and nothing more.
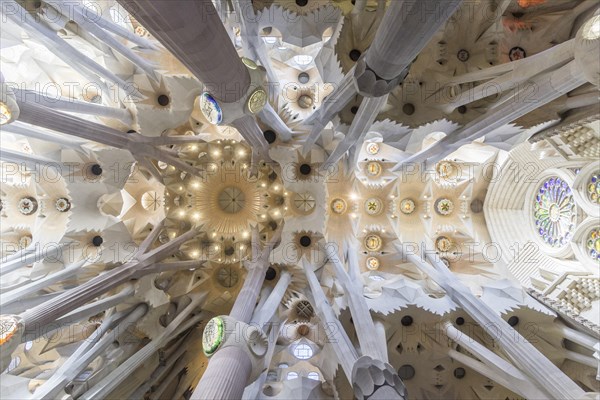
(592, 244)
(555, 212)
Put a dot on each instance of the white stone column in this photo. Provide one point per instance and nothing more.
(118, 376)
(269, 308)
(363, 322)
(549, 86)
(91, 348)
(344, 350)
(225, 377)
(523, 354)
(404, 31)
(332, 104)
(35, 27)
(229, 369)
(502, 369)
(138, 145)
(38, 317)
(34, 132)
(31, 161)
(28, 255)
(367, 112)
(75, 106)
(251, 132)
(26, 290)
(578, 337)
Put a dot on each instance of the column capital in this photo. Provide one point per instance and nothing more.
(369, 84)
(11, 332)
(225, 331)
(374, 379)
(219, 112)
(9, 109)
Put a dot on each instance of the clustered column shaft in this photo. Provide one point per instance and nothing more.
(193, 32)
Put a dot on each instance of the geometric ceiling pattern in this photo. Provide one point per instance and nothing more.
(300, 199)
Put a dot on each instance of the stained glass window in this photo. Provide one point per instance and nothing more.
(555, 212)
(593, 244)
(593, 188)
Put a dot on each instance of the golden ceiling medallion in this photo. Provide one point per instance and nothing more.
(257, 100)
(373, 206)
(373, 242)
(339, 206)
(5, 114)
(407, 206)
(446, 169)
(373, 148)
(443, 244)
(373, 169)
(249, 63)
(373, 263)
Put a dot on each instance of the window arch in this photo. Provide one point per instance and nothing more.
(314, 376)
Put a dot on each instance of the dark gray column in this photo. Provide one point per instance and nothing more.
(193, 32)
(405, 30)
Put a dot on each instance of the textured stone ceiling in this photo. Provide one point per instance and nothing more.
(356, 199)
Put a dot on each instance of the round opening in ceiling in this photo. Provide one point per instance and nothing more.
(354, 54)
(270, 136)
(303, 77)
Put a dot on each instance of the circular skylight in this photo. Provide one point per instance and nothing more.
(555, 212)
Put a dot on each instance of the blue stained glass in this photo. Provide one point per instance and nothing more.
(593, 244)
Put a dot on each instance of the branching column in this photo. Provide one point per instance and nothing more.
(36, 318)
(139, 146)
(193, 32)
(361, 372)
(404, 31)
(363, 322)
(269, 308)
(548, 87)
(262, 317)
(229, 369)
(529, 359)
(345, 351)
